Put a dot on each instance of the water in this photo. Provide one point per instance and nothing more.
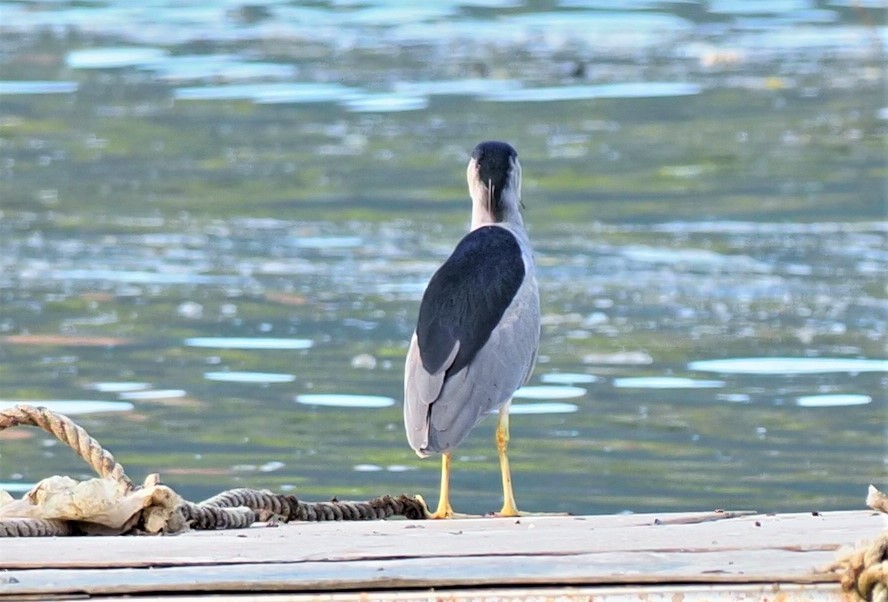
(345, 401)
(249, 377)
(248, 343)
(217, 221)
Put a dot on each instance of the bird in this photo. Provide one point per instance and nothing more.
(478, 330)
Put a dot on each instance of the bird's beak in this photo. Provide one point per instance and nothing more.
(490, 197)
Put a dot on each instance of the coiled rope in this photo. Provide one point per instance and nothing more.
(34, 527)
(255, 506)
(233, 509)
(864, 571)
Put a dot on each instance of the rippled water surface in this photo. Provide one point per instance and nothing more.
(217, 220)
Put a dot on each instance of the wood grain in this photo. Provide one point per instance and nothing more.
(388, 556)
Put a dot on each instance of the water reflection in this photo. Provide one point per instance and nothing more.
(622, 90)
(9, 88)
(71, 407)
(337, 400)
(568, 378)
(665, 382)
(385, 103)
(832, 401)
(519, 409)
(249, 377)
(153, 394)
(549, 392)
(120, 387)
(789, 365)
(112, 58)
(248, 343)
(268, 92)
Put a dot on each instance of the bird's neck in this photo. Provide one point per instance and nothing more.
(509, 212)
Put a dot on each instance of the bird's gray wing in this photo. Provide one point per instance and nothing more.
(462, 310)
(496, 372)
(421, 389)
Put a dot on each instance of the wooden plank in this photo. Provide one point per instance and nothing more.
(383, 539)
(260, 590)
(399, 573)
(690, 593)
(641, 550)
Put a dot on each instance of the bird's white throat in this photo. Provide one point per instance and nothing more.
(509, 206)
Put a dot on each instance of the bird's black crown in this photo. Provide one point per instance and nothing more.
(493, 160)
(495, 152)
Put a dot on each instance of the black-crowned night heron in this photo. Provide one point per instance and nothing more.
(479, 325)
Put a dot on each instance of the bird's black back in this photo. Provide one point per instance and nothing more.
(467, 296)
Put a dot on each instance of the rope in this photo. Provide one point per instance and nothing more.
(204, 518)
(71, 434)
(232, 509)
(864, 571)
(34, 527)
(265, 505)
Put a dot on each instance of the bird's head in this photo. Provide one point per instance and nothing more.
(494, 176)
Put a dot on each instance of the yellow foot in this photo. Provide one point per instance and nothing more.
(508, 510)
(446, 512)
(442, 512)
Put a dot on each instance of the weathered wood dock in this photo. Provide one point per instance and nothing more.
(685, 556)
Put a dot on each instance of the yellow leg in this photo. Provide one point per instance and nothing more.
(502, 444)
(444, 510)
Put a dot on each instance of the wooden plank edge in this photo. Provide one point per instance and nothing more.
(405, 574)
(760, 592)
